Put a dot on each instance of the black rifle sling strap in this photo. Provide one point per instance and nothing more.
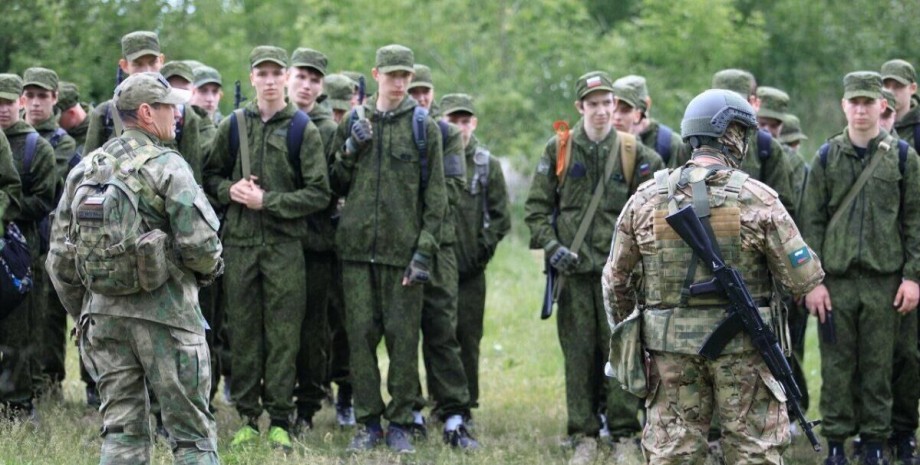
(859, 184)
(240, 119)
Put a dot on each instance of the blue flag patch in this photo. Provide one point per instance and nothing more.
(799, 257)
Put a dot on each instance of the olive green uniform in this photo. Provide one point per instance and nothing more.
(79, 131)
(13, 331)
(581, 321)
(864, 273)
(678, 150)
(908, 125)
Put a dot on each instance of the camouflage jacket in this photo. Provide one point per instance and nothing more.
(476, 242)
(906, 124)
(881, 231)
(320, 225)
(186, 218)
(586, 167)
(10, 186)
(79, 131)
(388, 215)
(289, 196)
(64, 149)
(207, 130)
(799, 176)
(322, 118)
(649, 138)
(39, 183)
(455, 175)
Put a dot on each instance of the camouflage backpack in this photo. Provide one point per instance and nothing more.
(114, 249)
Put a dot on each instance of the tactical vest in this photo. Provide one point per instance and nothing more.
(673, 320)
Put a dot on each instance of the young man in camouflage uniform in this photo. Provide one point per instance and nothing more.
(73, 113)
(268, 194)
(899, 77)
(651, 132)
(342, 95)
(387, 236)
(864, 272)
(581, 324)
(482, 219)
(756, 235)
(133, 339)
(188, 124)
(208, 92)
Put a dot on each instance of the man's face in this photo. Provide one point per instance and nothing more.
(304, 86)
(597, 109)
(71, 117)
(771, 125)
(863, 113)
(9, 112)
(268, 79)
(392, 86)
(142, 64)
(466, 122)
(208, 97)
(901, 93)
(423, 95)
(164, 121)
(38, 103)
(887, 119)
(625, 116)
(179, 83)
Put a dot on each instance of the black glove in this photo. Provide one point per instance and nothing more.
(361, 134)
(417, 271)
(562, 259)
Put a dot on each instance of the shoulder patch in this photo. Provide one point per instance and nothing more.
(799, 257)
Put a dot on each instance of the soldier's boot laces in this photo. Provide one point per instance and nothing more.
(904, 447)
(585, 452)
(460, 438)
(836, 455)
(244, 436)
(398, 440)
(365, 438)
(280, 439)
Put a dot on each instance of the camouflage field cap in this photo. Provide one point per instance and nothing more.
(592, 82)
(792, 130)
(394, 58)
(736, 80)
(900, 71)
(862, 84)
(264, 53)
(890, 98)
(68, 96)
(309, 58)
(638, 83)
(457, 103)
(353, 75)
(40, 77)
(10, 86)
(194, 64)
(422, 77)
(139, 43)
(147, 88)
(339, 90)
(178, 69)
(773, 103)
(628, 94)
(206, 75)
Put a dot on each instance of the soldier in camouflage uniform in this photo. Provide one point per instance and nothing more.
(890, 116)
(39, 182)
(73, 113)
(387, 237)
(653, 133)
(14, 330)
(266, 222)
(133, 339)
(208, 92)
(899, 77)
(342, 96)
(10, 185)
(870, 258)
(581, 324)
(792, 136)
(179, 74)
(757, 236)
(482, 219)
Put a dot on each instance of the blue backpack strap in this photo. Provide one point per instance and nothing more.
(28, 156)
(822, 154)
(420, 134)
(294, 140)
(663, 143)
(55, 138)
(445, 130)
(763, 144)
(902, 154)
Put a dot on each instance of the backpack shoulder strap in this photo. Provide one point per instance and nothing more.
(735, 181)
(917, 137)
(295, 140)
(420, 135)
(663, 143)
(57, 136)
(822, 154)
(628, 158)
(445, 132)
(764, 140)
(28, 155)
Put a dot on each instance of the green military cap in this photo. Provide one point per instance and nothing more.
(627, 94)
(206, 75)
(900, 71)
(353, 75)
(309, 58)
(264, 53)
(10, 86)
(339, 90)
(638, 83)
(68, 96)
(147, 88)
(194, 64)
(736, 80)
(792, 130)
(773, 103)
(422, 77)
(889, 96)
(394, 58)
(591, 82)
(862, 84)
(457, 103)
(178, 68)
(40, 77)
(139, 43)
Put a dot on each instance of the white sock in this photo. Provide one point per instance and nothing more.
(453, 422)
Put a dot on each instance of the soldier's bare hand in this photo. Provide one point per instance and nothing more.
(907, 297)
(818, 302)
(238, 190)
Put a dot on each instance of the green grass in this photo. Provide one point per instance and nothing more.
(521, 419)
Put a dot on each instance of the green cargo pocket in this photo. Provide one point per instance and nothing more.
(115, 275)
(191, 358)
(627, 356)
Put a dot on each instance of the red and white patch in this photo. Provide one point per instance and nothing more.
(594, 81)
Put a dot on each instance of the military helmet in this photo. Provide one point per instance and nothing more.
(710, 113)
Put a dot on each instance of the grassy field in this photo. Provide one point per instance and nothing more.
(521, 419)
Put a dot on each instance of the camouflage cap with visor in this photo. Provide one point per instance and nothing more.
(394, 58)
(309, 58)
(140, 43)
(735, 80)
(178, 69)
(639, 84)
(269, 53)
(422, 77)
(339, 90)
(68, 96)
(457, 103)
(862, 84)
(149, 88)
(592, 82)
(10, 86)
(207, 75)
(40, 77)
(900, 71)
(792, 130)
(773, 103)
(628, 95)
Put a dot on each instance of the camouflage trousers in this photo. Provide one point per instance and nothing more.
(212, 308)
(265, 302)
(378, 306)
(123, 355)
(50, 333)
(471, 307)
(338, 368)
(685, 390)
(17, 350)
(312, 357)
(446, 379)
(584, 335)
(856, 372)
(905, 383)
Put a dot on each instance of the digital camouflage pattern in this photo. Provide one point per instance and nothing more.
(64, 145)
(79, 131)
(906, 124)
(10, 185)
(14, 332)
(207, 130)
(649, 138)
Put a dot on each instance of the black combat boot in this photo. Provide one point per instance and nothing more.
(835, 454)
(872, 454)
(904, 447)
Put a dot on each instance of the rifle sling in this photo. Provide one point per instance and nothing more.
(244, 143)
(855, 190)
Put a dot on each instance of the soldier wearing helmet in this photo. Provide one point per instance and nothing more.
(757, 237)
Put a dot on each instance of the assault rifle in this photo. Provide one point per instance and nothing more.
(743, 314)
(238, 98)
